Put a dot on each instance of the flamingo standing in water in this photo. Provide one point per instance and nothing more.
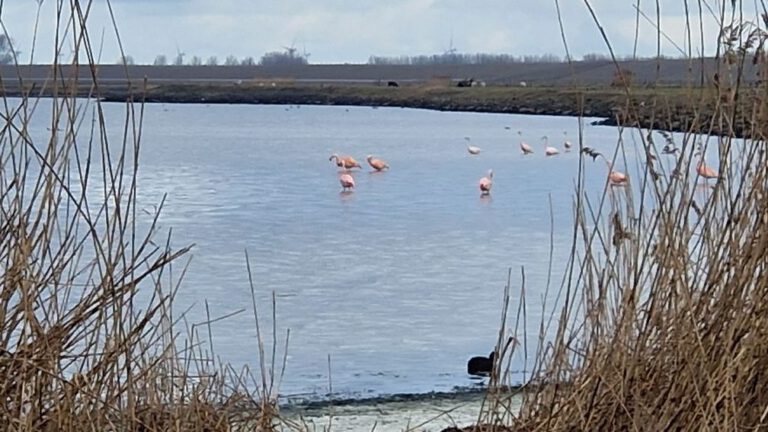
(566, 144)
(486, 183)
(702, 169)
(376, 164)
(473, 150)
(615, 178)
(347, 182)
(549, 151)
(346, 162)
(524, 147)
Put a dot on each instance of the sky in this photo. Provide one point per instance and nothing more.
(350, 31)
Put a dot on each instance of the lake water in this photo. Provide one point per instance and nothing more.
(399, 282)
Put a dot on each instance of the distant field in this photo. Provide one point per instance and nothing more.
(669, 72)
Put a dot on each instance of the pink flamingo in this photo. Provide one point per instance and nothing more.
(486, 183)
(549, 151)
(524, 147)
(347, 182)
(345, 162)
(376, 164)
(702, 169)
(615, 178)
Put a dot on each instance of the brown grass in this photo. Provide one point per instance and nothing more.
(88, 336)
(664, 319)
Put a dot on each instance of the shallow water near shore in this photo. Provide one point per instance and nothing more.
(421, 414)
(386, 290)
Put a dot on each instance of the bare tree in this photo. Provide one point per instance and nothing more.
(161, 60)
(7, 54)
(276, 58)
(212, 61)
(595, 57)
(195, 61)
(453, 57)
(125, 60)
(231, 61)
(248, 61)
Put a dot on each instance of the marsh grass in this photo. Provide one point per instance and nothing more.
(663, 324)
(89, 339)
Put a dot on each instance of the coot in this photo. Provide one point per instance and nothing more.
(480, 366)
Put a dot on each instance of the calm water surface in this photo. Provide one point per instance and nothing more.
(399, 282)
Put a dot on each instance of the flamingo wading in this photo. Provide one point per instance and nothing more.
(549, 150)
(702, 169)
(376, 163)
(473, 150)
(615, 178)
(347, 182)
(524, 147)
(345, 162)
(486, 183)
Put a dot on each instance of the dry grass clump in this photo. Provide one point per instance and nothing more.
(664, 323)
(88, 337)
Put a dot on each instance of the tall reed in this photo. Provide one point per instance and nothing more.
(664, 323)
(89, 339)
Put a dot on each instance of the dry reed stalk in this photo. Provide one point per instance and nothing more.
(664, 320)
(88, 337)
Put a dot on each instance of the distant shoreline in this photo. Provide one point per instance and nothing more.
(667, 94)
(672, 108)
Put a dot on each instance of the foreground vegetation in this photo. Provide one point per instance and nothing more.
(89, 339)
(663, 317)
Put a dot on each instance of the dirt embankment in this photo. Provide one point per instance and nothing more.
(670, 94)
(668, 108)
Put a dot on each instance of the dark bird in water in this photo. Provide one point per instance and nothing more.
(480, 366)
(589, 151)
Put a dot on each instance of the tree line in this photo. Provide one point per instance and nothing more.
(274, 58)
(290, 58)
(484, 58)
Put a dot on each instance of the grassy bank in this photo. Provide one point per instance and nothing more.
(668, 108)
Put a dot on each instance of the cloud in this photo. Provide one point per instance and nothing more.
(352, 30)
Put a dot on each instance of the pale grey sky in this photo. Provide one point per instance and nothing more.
(338, 31)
